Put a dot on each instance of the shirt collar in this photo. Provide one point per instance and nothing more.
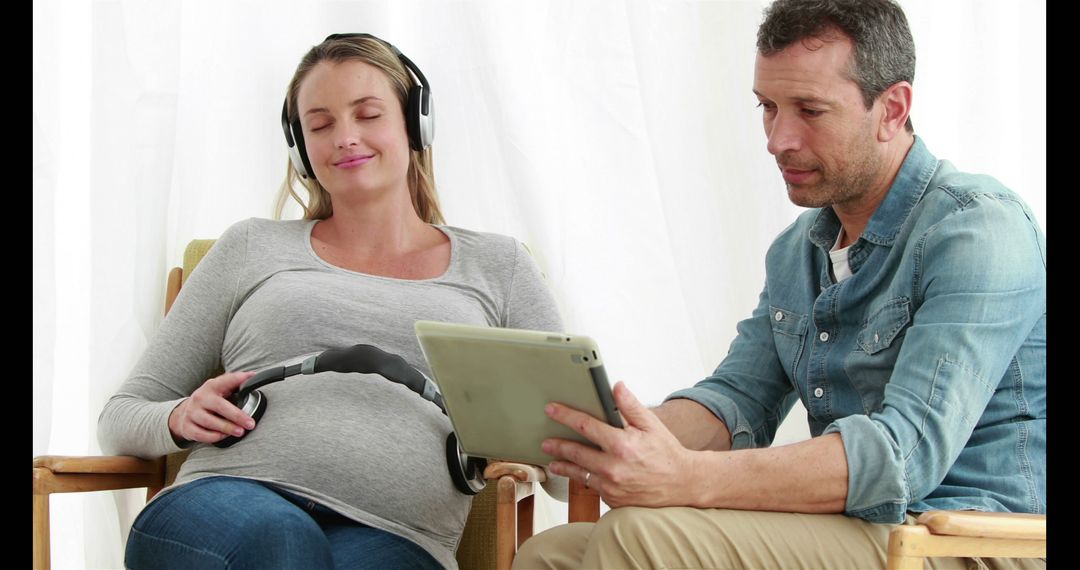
(906, 191)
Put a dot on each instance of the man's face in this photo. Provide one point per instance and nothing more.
(823, 137)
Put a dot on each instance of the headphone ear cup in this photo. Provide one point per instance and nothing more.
(303, 165)
(260, 407)
(426, 118)
(413, 118)
(294, 139)
(468, 477)
(256, 402)
(476, 466)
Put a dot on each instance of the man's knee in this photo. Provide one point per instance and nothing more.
(564, 546)
(558, 547)
(630, 535)
(625, 526)
(669, 537)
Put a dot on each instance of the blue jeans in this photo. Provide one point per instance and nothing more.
(227, 522)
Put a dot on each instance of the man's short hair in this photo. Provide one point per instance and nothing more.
(884, 53)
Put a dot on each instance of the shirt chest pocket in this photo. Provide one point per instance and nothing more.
(885, 326)
(870, 364)
(789, 330)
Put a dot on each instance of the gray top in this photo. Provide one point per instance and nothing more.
(357, 443)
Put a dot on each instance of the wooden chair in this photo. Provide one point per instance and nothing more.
(967, 534)
(501, 517)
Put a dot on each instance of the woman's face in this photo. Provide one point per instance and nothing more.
(354, 129)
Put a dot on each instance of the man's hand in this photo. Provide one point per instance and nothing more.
(641, 464)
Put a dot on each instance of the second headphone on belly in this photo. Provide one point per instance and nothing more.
(466, 472)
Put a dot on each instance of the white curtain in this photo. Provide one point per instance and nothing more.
(619, 139)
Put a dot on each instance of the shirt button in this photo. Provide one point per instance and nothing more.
(824, 336)
(818, 392)
(779, 316)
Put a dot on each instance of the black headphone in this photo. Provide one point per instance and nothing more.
(419, 113)
(466, 472)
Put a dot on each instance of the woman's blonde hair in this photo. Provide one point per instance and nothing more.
(421, 178)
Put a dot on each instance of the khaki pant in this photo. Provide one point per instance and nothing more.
(682, 537)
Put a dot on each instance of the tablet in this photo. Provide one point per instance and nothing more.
(495, 383)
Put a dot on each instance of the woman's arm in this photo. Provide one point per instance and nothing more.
(180, 357)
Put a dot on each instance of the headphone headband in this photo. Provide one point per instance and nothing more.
(467, 473)
(418, 76)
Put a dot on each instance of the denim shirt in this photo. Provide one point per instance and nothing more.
(930, 360)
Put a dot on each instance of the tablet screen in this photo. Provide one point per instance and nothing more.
(495, 383)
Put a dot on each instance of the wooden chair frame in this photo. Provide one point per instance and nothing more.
(967, 534)
(62, 474)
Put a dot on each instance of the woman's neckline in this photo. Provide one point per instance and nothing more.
(449, 266)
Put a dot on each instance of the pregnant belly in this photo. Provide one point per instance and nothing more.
(358, 438)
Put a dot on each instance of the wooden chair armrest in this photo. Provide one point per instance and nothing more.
(522, 472)
(172, 287)
(1020, 526)
(966, 534)
(515, 486)
(99, 464)
(70, 474)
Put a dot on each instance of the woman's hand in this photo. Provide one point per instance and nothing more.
(207, 415)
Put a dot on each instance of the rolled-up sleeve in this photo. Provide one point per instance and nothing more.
(980, 290)
(749, 391)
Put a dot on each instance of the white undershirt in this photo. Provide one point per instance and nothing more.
(839, 256)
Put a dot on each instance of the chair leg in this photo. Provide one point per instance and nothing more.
(41, 532)
(506, 522)
(901, 562)
(584, 503)
(906, 547)
(524, 519)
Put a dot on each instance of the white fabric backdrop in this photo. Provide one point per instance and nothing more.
(619, 139)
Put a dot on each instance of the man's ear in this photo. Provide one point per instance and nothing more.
(896, 104)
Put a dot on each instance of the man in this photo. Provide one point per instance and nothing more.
(906, 311)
